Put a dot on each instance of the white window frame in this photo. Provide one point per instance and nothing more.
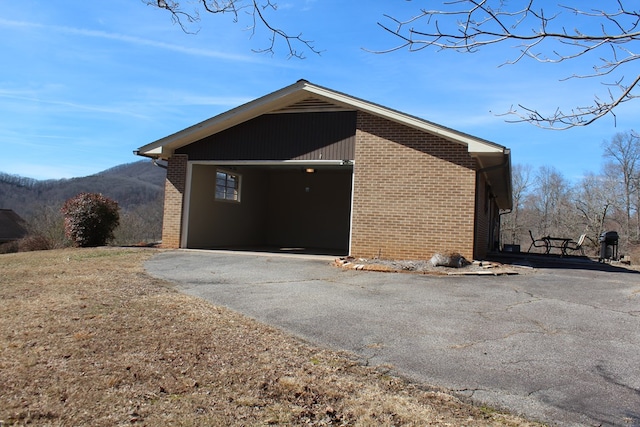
(226, 196)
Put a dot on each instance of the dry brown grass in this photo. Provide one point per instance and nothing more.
(87, 338)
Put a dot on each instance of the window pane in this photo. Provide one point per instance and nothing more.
(227, 186)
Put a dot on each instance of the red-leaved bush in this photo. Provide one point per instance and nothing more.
(90, 218)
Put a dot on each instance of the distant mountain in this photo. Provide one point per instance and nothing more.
(131, 185)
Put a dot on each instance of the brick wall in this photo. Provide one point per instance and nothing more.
(414, 193)
(173, 200)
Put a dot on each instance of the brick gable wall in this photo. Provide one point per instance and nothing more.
(414, 193)
(174, 189)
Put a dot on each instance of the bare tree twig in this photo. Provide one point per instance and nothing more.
(295, 44)
(470, 25)
(579, 116)
(278, 33)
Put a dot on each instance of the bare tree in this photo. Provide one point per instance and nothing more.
(606, 35)
(47, 221)
(550, 201)
(595, 197)
(140, 225)
(512, 225)
(624, 152)
(254, 11)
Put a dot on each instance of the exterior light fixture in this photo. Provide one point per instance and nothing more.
(310, 170)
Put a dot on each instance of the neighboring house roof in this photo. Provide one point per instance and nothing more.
(494, 159)
(12, 227)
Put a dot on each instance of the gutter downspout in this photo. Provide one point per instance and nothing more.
(155, 163)
(154, 160)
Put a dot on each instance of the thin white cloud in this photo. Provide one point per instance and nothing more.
(146, 105)
(185, 98)
(23, 96)
(305, 7)
(132, 40)
(26, 139)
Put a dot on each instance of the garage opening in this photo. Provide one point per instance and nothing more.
(283, 207)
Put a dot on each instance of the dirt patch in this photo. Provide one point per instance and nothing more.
(87, 338)
(428, 267)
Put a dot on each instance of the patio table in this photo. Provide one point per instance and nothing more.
(557, 242)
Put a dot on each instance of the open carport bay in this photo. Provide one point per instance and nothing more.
(557, 345)
(304, 207)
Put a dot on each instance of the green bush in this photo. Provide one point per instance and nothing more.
(90, 219)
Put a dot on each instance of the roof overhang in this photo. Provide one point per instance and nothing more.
(497, 171)
(488, 154)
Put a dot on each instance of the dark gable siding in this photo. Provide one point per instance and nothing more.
(290, 136)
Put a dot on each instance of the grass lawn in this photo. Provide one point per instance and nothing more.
(88, 338)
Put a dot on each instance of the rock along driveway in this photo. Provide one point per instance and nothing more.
(557, 345)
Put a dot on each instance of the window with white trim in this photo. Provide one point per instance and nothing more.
(227, 186)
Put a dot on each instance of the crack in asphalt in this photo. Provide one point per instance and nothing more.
(469, 393)
(280, 282)
(633, 313)
(611, 378)
(488, 340)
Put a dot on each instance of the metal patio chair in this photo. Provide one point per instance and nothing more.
(538, 243)
(577, 246)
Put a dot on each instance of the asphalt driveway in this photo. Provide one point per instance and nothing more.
(558, 345)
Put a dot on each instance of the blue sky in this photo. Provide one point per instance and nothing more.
(83, 84)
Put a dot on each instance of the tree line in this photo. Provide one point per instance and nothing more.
(548, 204)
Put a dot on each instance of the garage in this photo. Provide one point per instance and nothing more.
(309, 169)
(277, 206)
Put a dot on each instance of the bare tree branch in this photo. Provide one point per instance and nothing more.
(276, 33)
(579, 116)
(470, 25)
(295, 44)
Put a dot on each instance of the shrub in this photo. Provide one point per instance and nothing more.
(34, 242)
(47, 222)
(90, 218)
(9, 247)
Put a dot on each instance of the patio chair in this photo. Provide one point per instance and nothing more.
(537, 243)
(577, 246)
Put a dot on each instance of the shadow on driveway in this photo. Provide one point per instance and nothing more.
(558, 262)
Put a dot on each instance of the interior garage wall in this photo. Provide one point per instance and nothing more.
(310, 210)
(215, 223)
